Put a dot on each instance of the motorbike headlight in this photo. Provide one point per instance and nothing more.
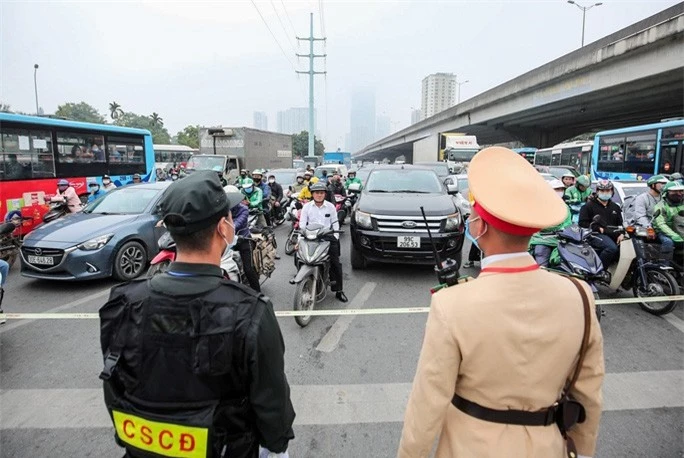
(452, 222)
(363, 220)
(96, 243)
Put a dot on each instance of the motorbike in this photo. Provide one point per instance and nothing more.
(313, 267)
(10, 241)
(640, 268)
(578, 258)
(58, 208)
(231, 263)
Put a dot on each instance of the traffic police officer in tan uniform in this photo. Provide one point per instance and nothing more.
(500, 351)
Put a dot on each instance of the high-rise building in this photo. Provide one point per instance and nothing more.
(439, 93)
(294, 120)
(362, 121)
(416, 115)
(383, 127)
(260, 120)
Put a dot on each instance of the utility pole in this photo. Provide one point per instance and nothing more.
(311, 74)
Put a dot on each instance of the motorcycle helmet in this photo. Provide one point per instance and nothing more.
(318, 186)
(604, 185)
(583, 180)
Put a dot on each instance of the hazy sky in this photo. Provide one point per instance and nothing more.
(214, 63)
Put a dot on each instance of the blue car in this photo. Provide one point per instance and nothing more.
(116, 235)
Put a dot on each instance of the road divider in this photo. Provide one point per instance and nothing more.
(335, 312)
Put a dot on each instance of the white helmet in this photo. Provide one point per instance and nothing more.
(556, 184)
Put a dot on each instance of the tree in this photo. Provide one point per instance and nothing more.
(160, 135)
(189, 136)
(156, 119)
(115, 110)
(79, 112)
(300, 145)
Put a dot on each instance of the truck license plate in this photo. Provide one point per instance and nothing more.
(408, 242)
(44, 260)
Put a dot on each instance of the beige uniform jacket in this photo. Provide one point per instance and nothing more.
(504, 341)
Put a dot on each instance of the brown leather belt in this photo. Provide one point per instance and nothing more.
(545, 417)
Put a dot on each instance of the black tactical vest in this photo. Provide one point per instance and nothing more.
(175, 375)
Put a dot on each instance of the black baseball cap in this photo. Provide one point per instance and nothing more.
(195, 203)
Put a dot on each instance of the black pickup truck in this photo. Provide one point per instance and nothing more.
(387, 224)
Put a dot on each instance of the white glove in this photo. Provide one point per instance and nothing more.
(265, 453)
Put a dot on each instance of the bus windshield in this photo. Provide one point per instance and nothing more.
(206, 162)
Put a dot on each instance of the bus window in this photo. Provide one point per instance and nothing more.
(26, 153)
(640, 153)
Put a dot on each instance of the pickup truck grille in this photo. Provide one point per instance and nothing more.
(408, 224)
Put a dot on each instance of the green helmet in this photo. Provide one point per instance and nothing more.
(583, 180)
(673, 186)
(656, 179)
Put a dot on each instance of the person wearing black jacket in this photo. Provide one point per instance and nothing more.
(606, 241)
(192, 361)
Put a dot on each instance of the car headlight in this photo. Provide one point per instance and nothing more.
(363, 220)
(96, 243)
(452, 222)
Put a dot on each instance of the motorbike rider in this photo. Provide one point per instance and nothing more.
(107, 184)
(543, 245)
(299, 184)
(240, 215)
(579, 192)
(351, 179)
(4, 271)
(645, 203)
(606, 241)
(320, 211)
(568, 179)
(95, 191)
(200, 357)
(276, 193)
(68, 193)
(335, 186)
(258, 178)
(668, 223)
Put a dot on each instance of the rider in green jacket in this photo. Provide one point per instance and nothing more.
(668, 219)
(579, 192)
(543, 244)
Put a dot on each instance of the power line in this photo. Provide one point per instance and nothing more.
(294, 31)
(274, 37)
(287, 34)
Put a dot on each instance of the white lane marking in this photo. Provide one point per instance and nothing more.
(330, 341)
(319, 404)
(675, 321)
(76, 303)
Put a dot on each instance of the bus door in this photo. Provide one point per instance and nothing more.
(671, 156)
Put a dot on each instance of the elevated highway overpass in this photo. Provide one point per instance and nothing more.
(633, 76)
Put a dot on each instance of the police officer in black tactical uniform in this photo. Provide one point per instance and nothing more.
(194, 363)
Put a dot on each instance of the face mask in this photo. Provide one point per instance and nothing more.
(470, 237)
(272, 180)
(229, 246)
(675, 198)
(560, 194)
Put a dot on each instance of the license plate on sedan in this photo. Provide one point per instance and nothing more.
(408, 242)
(44, 260)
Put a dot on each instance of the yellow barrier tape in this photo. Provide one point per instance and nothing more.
(335, 312)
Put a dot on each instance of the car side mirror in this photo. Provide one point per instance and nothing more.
(452, 189)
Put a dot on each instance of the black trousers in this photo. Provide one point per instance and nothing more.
(335, 266)
(474, 253)
(245, 249)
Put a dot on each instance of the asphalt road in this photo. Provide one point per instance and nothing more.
(350, 376)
